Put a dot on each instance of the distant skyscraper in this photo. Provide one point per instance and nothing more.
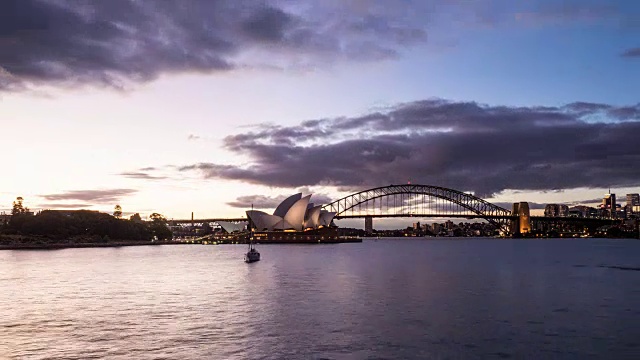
(609, 205)
(368, 224)
(633, 199)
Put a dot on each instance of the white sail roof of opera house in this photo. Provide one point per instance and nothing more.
(293, 213)
(281, 210)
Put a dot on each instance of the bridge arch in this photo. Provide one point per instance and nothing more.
(417, 200)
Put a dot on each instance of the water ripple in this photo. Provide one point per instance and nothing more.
(471, 299)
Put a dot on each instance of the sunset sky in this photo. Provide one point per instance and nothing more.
(210, 106)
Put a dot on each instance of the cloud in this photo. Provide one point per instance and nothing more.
(586, 201)
(120, 43)
(316, 196)
(193, 137)
(271, 202)
(93, 196)
(462, 145)
(258, 201)
(635, 52)
(142, 175)
(54, 206)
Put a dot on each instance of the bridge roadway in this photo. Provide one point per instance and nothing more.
(200, 221)
(476, 216)
(452, 216)
(467, 216)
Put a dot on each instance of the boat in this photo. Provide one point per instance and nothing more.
(252, 255)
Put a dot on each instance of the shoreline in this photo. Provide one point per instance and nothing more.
(57, 246)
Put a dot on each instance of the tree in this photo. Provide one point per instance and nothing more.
(155, 217)
(159, 228)
(117, 212)
(136, 218)
(18, 207)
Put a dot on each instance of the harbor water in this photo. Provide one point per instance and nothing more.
(379, 299)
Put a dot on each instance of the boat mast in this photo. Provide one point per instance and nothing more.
(250, 230)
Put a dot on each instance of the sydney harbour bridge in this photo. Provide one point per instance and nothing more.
(424, 201)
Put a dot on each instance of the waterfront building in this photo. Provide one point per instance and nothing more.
(563, 210)
(294, 213)
(550, 210)
(576, 212)
(556, 210)
(449, 225)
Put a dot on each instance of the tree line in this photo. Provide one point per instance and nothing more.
(84, 225)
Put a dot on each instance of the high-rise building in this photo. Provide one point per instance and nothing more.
(633, 199)
(556, 210)
(368, 224)
(609, 205)
(551, 210)
(563, 210)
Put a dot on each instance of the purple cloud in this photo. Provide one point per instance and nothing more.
(462, 145)
(118, 43)
(142, 175)
(93, 196)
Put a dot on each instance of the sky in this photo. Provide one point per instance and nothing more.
(211, 106)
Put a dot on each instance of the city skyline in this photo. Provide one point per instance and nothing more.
(129, 103)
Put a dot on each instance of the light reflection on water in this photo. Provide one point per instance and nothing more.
(465, 298)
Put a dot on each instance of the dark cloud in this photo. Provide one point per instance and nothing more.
(94, 196)
(635, 52)
(119, 42)
(462, 145)
(142, 175)
(54, 206)
(268, 24)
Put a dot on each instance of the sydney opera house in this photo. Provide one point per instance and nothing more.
(295, 213)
